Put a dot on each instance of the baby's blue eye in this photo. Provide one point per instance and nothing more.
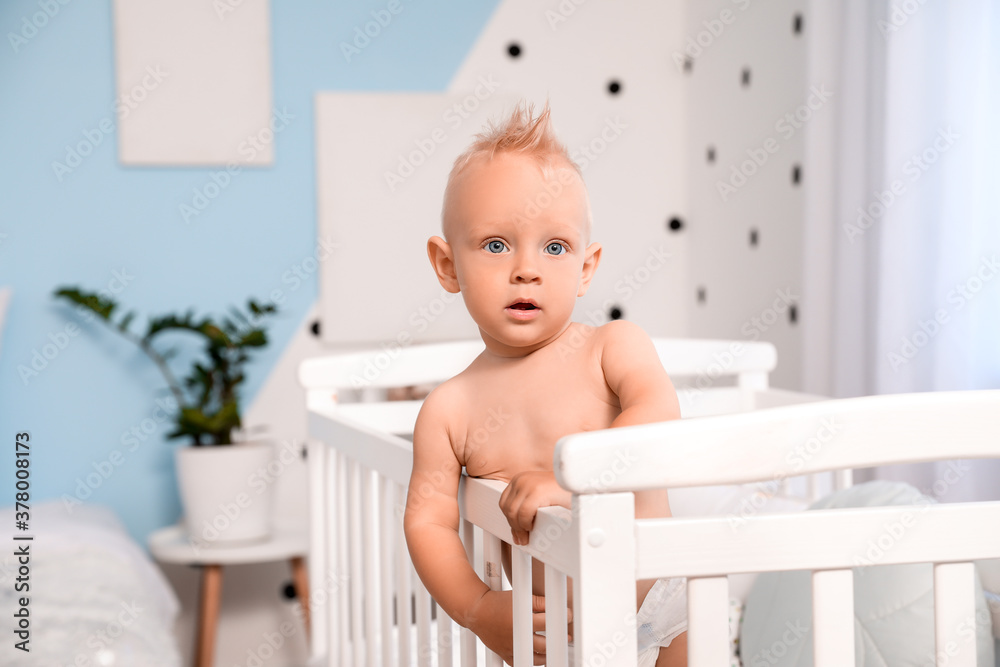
(495, 247)
(559, 248)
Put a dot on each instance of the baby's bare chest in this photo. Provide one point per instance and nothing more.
(516, 415)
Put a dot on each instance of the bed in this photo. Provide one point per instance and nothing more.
(95, 597)
(792, 447)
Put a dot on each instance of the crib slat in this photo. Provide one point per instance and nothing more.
(468, 652)
(404, 612)
(521, 566)
(708, 621)
(424, 648)
(445, 638)
(843, 479)
(369, 509)
(387, 527)
(556, 629)
(492, 574)
(343, 502)
(954, 611)
(320, 561)
(357, 608)
(604, 592)
(833, 618)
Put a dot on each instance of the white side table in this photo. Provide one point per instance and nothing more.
(171, 545)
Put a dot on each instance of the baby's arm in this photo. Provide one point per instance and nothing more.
(430, 523)
(634, 372)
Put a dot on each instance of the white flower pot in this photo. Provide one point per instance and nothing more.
(226, 500)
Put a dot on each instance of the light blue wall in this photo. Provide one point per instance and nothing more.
(104, 218)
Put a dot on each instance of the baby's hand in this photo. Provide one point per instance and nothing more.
(527, 492)
(492, 620)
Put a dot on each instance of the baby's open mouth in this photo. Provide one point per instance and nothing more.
(523, 305)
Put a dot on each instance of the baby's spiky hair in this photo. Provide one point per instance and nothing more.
(520, 132)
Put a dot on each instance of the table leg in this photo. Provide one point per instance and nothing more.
(208, 615)
(300, 576)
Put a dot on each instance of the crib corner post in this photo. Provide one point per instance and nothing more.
(604, 590)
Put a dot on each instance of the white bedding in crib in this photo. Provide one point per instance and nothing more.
(95, 596)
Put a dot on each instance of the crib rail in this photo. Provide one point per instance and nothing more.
(762, 446)
(798, 439)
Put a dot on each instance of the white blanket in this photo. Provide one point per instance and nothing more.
(95, 596)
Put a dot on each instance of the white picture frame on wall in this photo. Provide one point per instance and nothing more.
(193, 82)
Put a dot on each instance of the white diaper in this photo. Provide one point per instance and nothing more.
(662, 617)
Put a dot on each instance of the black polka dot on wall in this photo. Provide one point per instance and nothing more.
(753, 238)
(675, 224)
(793, 313)
(745, 77)
(614, 87)
(796, 174)
(314, 328)
(797, 24)
(701, 295)
(514, 49)
(710, 154)
(288, 591)
(616, 313)
(688, 64)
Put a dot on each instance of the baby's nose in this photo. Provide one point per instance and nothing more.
(526, 271)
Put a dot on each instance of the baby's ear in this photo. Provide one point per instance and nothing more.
(590, 262)
(439, 252)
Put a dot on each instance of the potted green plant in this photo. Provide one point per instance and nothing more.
(221, 502)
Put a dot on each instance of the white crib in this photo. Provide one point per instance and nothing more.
(360, 461)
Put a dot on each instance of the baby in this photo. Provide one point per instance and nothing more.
(516, 223)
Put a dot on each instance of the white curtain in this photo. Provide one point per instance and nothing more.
(914, 282)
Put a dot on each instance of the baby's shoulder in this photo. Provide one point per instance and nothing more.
(617, 333)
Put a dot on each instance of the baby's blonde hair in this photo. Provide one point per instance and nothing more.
(520, 132)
